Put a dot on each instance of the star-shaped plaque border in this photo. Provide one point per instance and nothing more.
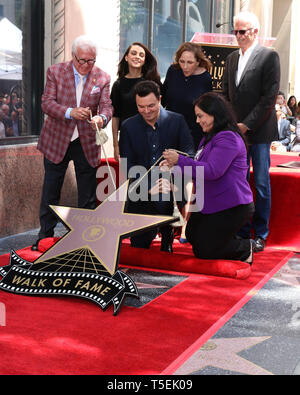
(101, 230)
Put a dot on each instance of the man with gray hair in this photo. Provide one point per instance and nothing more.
(251, 83)
(76, 97)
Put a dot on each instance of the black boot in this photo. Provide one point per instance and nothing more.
(167, 238)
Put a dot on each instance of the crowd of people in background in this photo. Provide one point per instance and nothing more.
(10, 115)
(288, 116)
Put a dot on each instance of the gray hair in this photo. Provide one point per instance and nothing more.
(247, 17)
(83, 42)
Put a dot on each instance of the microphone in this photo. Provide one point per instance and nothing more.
(221, 24)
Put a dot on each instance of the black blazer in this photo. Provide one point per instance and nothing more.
(253, 100)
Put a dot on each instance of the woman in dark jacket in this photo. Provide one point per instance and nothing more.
(219, 173)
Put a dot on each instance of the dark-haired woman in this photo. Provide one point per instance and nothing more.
(292, 104)
(137, 64)
(223, 195)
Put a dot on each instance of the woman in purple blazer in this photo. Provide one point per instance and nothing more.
(219, 173)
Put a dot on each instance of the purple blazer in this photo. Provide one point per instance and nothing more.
(222, 181)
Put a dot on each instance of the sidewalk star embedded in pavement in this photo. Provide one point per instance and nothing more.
(222, 353)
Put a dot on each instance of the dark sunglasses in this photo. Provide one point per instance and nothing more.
(241, 32)
(83, 61)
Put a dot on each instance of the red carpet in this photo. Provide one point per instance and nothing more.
(60, 335)
(285, 211)
(182, 260)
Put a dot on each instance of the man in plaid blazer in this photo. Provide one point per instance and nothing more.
(68, 133)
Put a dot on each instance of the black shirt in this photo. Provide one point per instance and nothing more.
(153, 140)
(123, 98)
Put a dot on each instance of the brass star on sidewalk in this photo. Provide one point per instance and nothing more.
(101, 230)
(289, 276)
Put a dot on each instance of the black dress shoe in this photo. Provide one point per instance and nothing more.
(35, 246)
(259, 244)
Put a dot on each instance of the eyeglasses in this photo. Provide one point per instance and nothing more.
(84, 61)
(241, 32)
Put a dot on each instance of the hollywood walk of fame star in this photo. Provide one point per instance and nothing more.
(222, 354)
(102, 229)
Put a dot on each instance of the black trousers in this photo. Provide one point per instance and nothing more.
(53, 182)
(213, 236)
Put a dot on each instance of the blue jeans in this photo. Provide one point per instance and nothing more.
(260, 156)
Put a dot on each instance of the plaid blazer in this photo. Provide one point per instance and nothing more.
(58, 96)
